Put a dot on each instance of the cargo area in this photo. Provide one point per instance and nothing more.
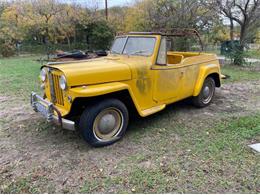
(178, 57)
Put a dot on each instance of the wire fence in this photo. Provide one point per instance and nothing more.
(47, 49)
(32, 49)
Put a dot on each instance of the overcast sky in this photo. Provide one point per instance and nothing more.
(101, 3)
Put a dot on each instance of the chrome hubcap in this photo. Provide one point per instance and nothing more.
(108, 124)
(207, 92)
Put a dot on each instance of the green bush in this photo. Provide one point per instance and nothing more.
(7, 49)
(236, 54)
(100, 35)
(238, 57)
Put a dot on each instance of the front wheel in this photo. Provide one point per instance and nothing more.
(104, 123)
(206, 94)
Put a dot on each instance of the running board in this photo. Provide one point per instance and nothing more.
(152, 110)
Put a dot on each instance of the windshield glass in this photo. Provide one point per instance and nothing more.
(142, 46)
(118, 45)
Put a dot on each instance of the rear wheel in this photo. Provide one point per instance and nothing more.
(206, 94)
(104, 123)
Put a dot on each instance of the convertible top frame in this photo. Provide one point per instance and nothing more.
(175, 32)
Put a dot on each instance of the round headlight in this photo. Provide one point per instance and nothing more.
(63, 82)
(43, 74)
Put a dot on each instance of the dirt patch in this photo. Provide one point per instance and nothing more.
(237, 98)
(60, 161)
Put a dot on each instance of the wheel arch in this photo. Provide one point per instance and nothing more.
(211, 70)
(216, 78)
(80, 103)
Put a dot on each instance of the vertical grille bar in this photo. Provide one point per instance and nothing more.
(57, 90)
(57, 93)
(53, 98)
(60, 92)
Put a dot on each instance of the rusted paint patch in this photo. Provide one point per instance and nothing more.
(143, 83)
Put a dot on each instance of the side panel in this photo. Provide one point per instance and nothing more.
(167, 83)
(175, 82)
(189, 80)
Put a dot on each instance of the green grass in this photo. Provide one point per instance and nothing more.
(229, 136)
(137, 181)
(21, 185)
(19, 76)
(218, 160)
(240, 73)
(253, 54)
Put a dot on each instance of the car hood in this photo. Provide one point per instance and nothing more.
(94, 71)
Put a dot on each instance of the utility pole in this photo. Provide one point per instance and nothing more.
(106, 10)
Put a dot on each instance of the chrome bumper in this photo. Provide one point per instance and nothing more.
(47, 109)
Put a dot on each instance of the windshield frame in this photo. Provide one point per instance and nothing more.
(118, 37)
(127, 38)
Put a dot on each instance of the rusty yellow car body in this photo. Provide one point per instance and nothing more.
(149, 86)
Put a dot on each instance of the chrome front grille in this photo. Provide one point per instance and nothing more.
(56, 91)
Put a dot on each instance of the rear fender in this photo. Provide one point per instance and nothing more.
(204, 72)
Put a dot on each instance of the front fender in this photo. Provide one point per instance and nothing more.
(103, 89)
(97, 90)
(204, 72)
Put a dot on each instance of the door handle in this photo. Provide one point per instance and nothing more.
(182, 74)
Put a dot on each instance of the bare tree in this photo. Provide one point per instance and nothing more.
(246, 13)
(226, 8)
(181, 13)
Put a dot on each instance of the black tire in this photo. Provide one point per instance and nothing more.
(204, 99)
(93, 120)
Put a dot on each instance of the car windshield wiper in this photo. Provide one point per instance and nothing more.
(138, 52)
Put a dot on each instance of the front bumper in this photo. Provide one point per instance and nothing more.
(48, 110)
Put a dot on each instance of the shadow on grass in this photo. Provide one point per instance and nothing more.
(138, 124)
(47, 134)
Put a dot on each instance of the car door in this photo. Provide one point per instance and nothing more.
(167, 83)
(167, 78)
(191, 71)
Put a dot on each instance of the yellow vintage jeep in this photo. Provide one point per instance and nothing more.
(140, 74)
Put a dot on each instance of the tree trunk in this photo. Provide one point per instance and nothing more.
(68, 41)
(239, 51)
(231, 29)
(75, 36)
(243, 35)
